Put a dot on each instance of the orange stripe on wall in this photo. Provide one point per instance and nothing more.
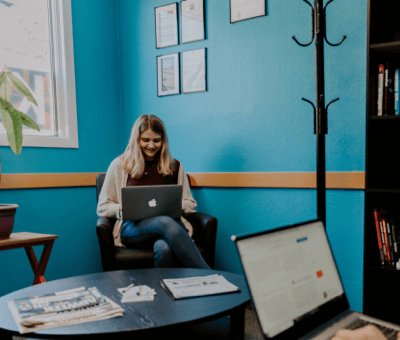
(24, 181)
(334, 180)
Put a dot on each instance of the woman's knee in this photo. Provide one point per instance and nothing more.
(161, 247)
(162, 254)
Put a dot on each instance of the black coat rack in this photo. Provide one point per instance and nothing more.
(318, 24)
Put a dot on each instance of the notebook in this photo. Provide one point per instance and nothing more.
(141, 202)
(295, 287)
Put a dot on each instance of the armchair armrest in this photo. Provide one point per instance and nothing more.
(105, 237)
(204, 232)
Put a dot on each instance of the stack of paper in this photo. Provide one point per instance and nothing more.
(137, 293)
(61, 309)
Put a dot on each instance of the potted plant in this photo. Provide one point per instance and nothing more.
(11, 117)
(12, 120)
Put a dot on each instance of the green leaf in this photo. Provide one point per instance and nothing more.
(2, 84)
(5, 87)
(25, 119)
(21, 87)
(13, 126)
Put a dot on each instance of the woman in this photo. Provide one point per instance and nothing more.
(147, 161)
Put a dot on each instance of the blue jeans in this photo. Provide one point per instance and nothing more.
(170, 239)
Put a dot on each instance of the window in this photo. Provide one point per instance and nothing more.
(36, 45)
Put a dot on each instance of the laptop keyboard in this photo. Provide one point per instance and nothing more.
(390, 333)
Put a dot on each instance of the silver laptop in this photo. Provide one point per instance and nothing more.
(141, 202)
(295, 287)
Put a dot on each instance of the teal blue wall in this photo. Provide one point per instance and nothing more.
(251, 119)
(71, 212)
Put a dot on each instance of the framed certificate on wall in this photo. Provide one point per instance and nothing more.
(247, 9)
(168, 81)
(167, 25)
(194, 71)
(192, 21)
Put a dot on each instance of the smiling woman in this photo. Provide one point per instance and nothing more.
(151, 143)
(147, 161)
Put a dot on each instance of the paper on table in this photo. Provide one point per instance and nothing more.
(199, 286)
(139, 293)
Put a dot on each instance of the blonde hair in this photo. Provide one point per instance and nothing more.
(132, 158)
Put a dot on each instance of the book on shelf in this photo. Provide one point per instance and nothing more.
(390, 242)
(388, 235)
(396, 241)
(384, 243)
(388, 91)
(378, 234)
(396, 91)
(380, 89)
(61, 309)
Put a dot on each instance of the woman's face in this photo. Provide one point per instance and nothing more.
(150, 143)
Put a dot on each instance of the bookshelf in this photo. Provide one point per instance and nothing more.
(382, 187)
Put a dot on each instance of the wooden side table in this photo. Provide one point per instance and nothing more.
(28, 240)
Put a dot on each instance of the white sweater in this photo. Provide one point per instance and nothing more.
(110, 197)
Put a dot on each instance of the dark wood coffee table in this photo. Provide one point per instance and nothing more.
(162, 317)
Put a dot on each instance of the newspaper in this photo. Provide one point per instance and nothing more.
(198, 286)
(55, 302)
(105, 308)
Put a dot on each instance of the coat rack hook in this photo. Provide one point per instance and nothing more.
(326, 39)
(312, 27)
(315, 128)
(326, 112)
(326, 109)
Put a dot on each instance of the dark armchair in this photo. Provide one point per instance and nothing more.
(115, 258)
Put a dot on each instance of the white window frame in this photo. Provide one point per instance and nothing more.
(63, 82)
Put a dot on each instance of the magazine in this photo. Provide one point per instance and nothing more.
(55, 302)
(198, 286)
(105, 308)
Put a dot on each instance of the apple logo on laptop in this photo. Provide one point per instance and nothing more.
(152, 203)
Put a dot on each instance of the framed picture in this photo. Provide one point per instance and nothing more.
(192, 21)
(194, 71)
(168, 67)
(247, 9)
(167, 25)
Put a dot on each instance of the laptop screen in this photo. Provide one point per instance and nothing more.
(291, 275)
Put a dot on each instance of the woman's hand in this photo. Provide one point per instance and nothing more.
(365, 333)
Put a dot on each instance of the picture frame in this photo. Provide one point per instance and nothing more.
(192, 21)
(168, 74)
(194, 71)
(167, 25)
(241, 10)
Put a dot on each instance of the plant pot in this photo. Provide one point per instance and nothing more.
(7, 213)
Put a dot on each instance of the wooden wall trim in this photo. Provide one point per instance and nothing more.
(47, 180)
(334, 180)
(302, 180)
